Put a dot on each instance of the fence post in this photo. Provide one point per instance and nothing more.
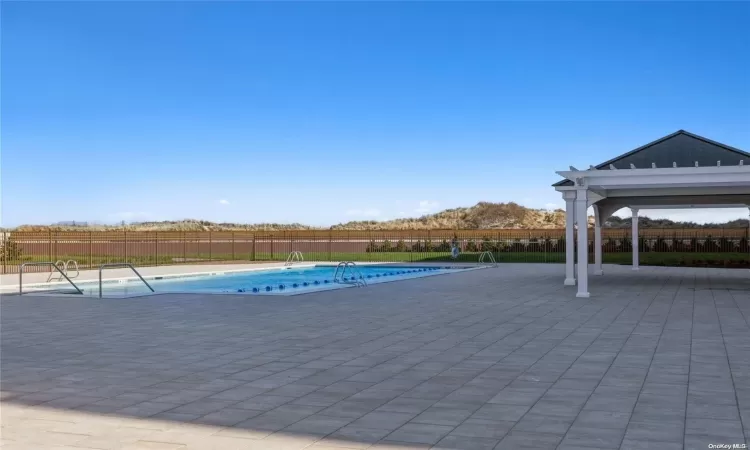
(232, 245)
(411, 247)
(252, 254)
(125, 239)
(330, 245)
(210, 246)
(184, 248)
(91, 249)
(54, 255)
(5, 250)
(156, 247)
(272, 258)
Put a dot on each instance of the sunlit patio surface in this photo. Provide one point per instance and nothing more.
(502, 358)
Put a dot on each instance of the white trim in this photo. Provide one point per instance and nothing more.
(661, 172)
(583, 242)
(726, 176)
(570, 219)
(635, 239)
(598, 242)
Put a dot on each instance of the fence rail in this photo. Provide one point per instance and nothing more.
(91, 249)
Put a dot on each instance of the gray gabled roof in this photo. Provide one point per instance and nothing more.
(682, 148)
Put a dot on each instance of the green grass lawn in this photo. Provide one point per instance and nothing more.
(646, 258)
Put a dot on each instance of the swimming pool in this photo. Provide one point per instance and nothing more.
(275, 281)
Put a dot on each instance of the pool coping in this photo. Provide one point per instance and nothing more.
(289, 293)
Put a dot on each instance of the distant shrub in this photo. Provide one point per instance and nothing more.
(517, 246)
(488, 245)
(444, 246)
(471, 246)
(711, 245)
(386, 247)
(534, 247)
(401, 246)
(372, 247)
(9, 250)
(559, 246)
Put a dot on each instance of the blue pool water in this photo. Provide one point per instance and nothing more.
(279, 281)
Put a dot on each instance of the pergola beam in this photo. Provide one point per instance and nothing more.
(642, 188)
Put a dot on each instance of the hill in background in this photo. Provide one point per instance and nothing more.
(483, 215)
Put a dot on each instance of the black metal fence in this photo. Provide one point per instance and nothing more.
(692, 247)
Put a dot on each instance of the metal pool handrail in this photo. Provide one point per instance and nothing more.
(120, 265)
(359, 279)
(46, 263)
(492, 258)
(295, 254)
(65, 265)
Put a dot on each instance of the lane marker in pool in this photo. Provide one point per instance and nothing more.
(281, 287)
(256, 290)
(268, 288)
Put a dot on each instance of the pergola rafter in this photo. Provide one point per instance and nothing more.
(687, 182)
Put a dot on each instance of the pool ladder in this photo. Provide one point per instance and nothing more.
(359, 280)
(64, 265)
(45, 263)
(488, 255)
(295, 256)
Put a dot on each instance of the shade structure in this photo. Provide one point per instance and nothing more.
(682, 170)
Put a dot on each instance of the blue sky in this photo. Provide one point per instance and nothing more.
(327, 112)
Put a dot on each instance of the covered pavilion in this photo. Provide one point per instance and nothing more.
(681, 170)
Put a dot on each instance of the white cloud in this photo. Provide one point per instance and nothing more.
(426, 206)
(368, 212)
(223, 202)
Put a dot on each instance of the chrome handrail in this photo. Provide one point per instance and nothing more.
(491, 256)
(46, 263)
(120, 265)
(58, 263)
(65, 265)
(295, 254)
(359, 279)
(75, 263)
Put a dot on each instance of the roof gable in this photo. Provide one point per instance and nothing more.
(682, 148)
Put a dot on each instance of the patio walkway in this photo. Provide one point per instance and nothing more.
(503, 358)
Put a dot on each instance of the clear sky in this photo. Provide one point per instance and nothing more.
(327, 112)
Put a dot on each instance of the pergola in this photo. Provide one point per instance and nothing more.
(681, 170)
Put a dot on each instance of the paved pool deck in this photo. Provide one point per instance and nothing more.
(500, 358)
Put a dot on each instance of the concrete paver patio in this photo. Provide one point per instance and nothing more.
(501, 358)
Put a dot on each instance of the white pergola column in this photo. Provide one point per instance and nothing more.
(635, 239)
(597, 242)
(570, 238)
(581, 205)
